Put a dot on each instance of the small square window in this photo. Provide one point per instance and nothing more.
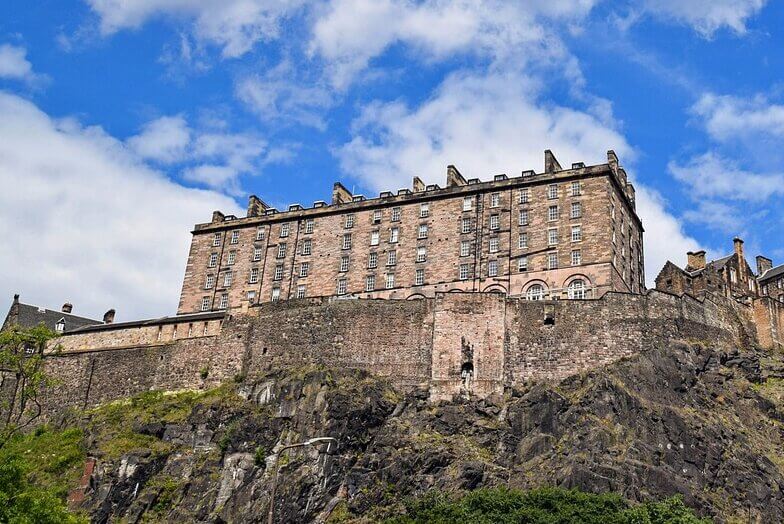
(492, 268)
(494, 245)
(419, 277)
(494, 222)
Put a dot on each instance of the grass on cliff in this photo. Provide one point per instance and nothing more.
(541, 506)
(36, 472)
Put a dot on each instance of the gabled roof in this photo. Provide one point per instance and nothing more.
(30, 316)
(771, 273)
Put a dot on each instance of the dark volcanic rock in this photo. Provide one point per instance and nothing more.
(678, 420)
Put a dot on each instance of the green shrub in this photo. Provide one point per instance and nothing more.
(542, 506)
(260, 456)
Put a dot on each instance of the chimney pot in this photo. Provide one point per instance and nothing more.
(108, 317)
(67, 307)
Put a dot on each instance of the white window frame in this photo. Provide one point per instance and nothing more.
(577, 233)
(422, 231)
(373, 260)
(522, 241)
(395, 214)
(235, 237)
(301, 291)
(232, 258)
(257, 252)
(392, 258)
(421, 254)
(275, 294)
(493, 245)
(576, 210)
(309, 224)
(370, 283)
(375, 237)
(344, 263)
(552, 237)
(278, 275)
(419, 277)
(576, 290)
(349, 221)
(576, 257)
(575, 188)
(465, 271)
(254, 275)
(492, 268)
(281, 250)
(260, 233)
(213, 261)
(465, 248)
(390, 281)
(468, 203)
(535, 292)
(552, 213)
(495, 222)
(552, 260)
(304, 268)
(525, 196)
(307, 247)
(205, 303)
(424, 210)
(495, 199)
(342, 286)
(377, 215)
(552, 192)
(284, 230)
(228, 278)
(522, 264)
(216, 239)
(224, 301)
(346, 240)
(523, 218)
(394, 235)
(209, 282)
(466, 225)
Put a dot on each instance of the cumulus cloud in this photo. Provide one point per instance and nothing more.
(352, 32)
(490, 124)
(233, 25)
(712, 176)
(14, 64)
(84, 219)
(279, 96)
(727, 118)
(706, 16)
(213, 156)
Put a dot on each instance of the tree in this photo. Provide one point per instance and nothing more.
(22, 378)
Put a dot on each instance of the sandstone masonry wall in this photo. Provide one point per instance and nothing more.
(457, 343)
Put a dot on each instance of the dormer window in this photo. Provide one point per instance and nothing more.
(60, 326)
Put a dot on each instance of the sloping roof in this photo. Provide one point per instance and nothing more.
(191, 317)
(772, 273)
(30, 316)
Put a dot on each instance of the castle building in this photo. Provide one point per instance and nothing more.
(27, 316)
(730, 276)
(560, 234)
(770, 279)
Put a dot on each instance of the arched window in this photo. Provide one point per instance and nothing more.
(576, 289)
(535, 292)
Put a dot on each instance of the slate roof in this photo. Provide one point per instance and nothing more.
(772, 273)
(191, 317)
(30, 316)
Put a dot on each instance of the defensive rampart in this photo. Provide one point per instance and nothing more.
(457, 343)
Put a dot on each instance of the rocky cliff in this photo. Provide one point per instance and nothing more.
(681, 419)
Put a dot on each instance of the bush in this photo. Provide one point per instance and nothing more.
(542, 506)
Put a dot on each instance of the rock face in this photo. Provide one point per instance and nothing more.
(682, 419)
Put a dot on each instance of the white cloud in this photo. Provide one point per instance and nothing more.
(14, 64)
(490, 124)
(84, 219)
(279, 96)
(213, 157)
(712, 176)
(706, 16)
(165, 139)
(353, 32)
(728, 118)
(233, 25)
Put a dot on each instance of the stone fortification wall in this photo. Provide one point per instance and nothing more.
(769, 317)
(471, 343)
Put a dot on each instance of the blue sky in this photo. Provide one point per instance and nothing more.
(124, 122)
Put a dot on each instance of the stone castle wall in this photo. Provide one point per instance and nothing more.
(457, 343)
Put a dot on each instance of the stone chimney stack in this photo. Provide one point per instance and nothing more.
(67, 307)
(217, 216)
(551, 164)
(340, 195)
(763, 264)
(418, 185)
(696, 260)
(108, 317)
(256, 206)
(453, 177)
(741, 257)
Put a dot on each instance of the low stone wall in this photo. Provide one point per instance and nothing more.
(457, 343)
